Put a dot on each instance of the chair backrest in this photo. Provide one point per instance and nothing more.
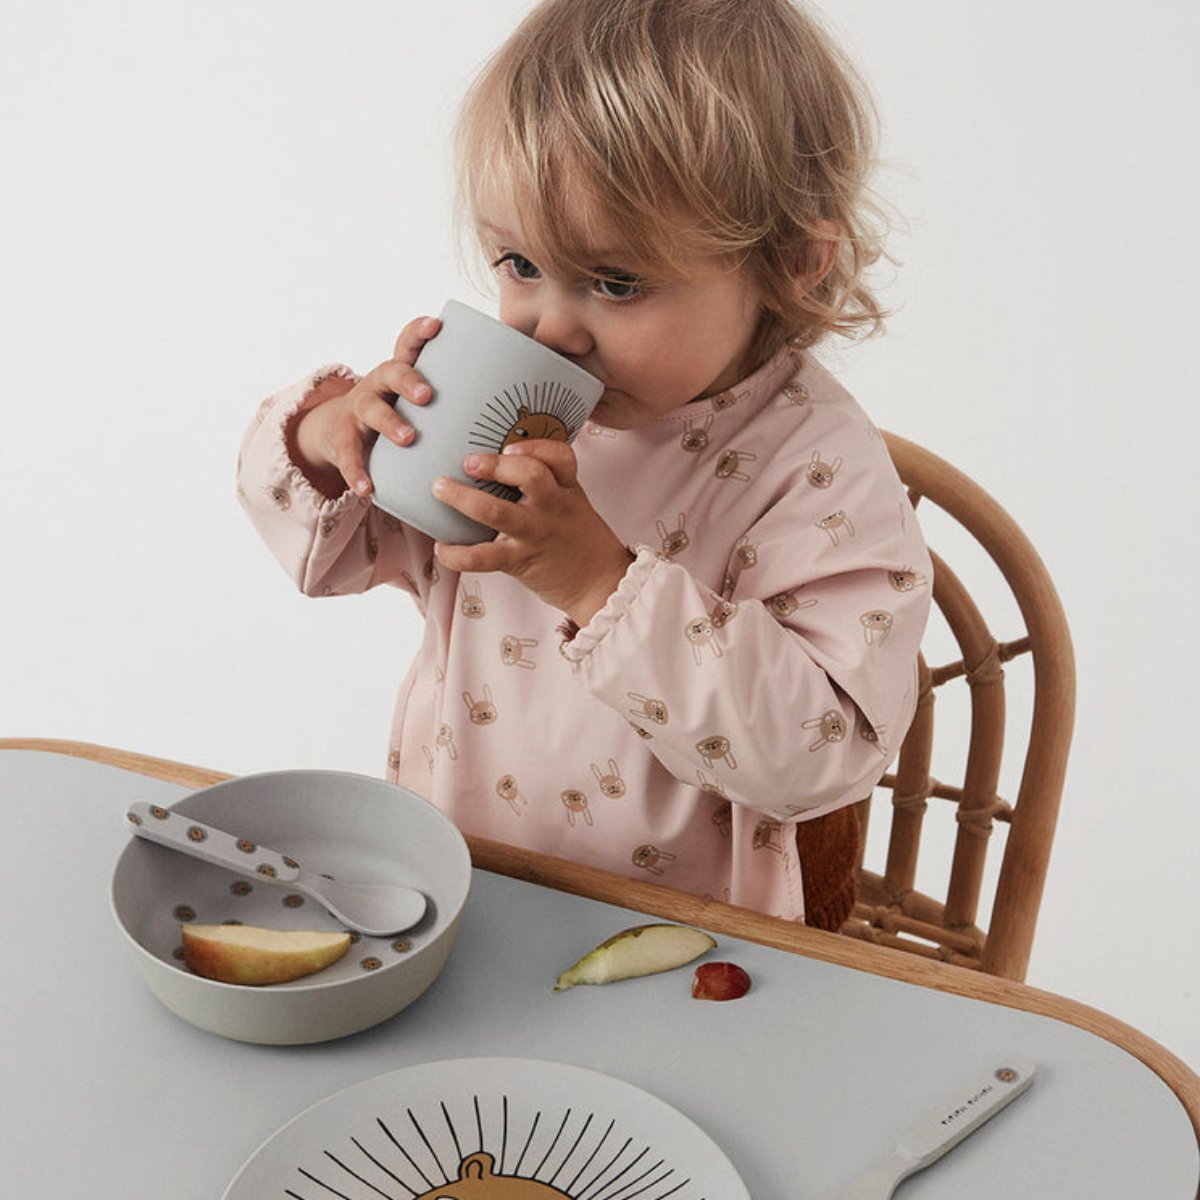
(890, 910)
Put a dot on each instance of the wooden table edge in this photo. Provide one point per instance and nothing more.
(734, 922)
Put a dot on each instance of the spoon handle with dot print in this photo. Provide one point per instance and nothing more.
(376, 909)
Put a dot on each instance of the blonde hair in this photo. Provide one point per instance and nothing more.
(740, 116)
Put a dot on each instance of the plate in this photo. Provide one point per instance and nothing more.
(490, 1129)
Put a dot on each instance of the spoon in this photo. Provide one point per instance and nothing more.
(376, 909)
(941, 1130)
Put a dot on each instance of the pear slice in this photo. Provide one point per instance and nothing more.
(252, 955)
(642, 950)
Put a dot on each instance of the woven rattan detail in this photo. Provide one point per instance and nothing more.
(890, 911)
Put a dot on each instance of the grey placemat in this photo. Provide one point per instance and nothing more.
(803, 1082)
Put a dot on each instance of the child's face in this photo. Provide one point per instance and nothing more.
(656, 342)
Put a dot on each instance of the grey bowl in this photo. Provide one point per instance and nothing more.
(353, 827)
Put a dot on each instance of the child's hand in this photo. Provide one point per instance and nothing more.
(552, 540)
(329, 438)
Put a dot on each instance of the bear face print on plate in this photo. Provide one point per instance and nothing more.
(491, 1129)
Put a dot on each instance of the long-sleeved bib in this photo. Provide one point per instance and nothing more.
(755, 667)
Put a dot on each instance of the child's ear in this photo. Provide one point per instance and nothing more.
(815, 258)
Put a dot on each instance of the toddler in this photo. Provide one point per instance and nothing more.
(692, 644)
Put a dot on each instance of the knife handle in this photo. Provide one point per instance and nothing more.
(180, 832)
(942, 1130)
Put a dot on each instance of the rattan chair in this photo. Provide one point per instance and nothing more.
(890, 910)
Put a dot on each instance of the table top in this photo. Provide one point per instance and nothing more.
(838, 1048)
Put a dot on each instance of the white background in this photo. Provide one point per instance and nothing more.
(199, 203)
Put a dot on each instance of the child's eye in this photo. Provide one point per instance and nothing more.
(516, 265)
(618, 285)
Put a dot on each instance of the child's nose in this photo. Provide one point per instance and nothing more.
(557, 325)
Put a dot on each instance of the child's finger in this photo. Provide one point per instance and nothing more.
(557, 457)
(481, 557)
(347, 455)
(377, 414)
(522, 471)
(492, 511)
(394, 378)
(413, 336)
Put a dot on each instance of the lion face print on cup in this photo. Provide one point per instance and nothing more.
(533, 425)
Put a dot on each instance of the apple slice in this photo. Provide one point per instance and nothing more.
(642, 950)
(719, 981)
(253, 955)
